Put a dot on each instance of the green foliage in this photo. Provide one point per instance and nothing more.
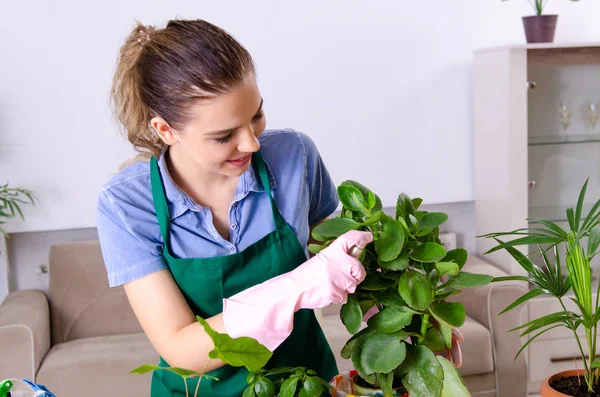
(539, 5)
(11, 200)
(409, 276)
(247, 352)
(567, 247)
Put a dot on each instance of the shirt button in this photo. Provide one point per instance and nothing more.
(233, 225)
(231, 248)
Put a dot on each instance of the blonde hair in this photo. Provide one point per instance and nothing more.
(160, 72)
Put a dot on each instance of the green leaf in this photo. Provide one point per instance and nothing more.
(580, 201)
(428, 252)
(400, 263)
(264, 387)
(316, 248)
(249, 391)
(458, 255)
(383, 352)
(374, 282)
(404, 207)
(335, 227)
(431, 220)
(386, 382)
(593, 241)
(446, 332)
(313, 386)
(374, 218)
(352, 198)
(417, 203)
(238, 352)
(415, 289)
(365, 192)
(390, 320)
(595, 364)
(524, 298)
(434, 340)
(351, 314)
(424, 373)
(390, 242)
(469, 280)
(453, 384)
(357, 361)
(449, 313)
(346, 351)
(450, 268)
(391, 298)
(371, 200)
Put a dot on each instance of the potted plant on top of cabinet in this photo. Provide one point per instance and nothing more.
(540, 28)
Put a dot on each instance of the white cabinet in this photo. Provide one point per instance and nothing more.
(535, 143)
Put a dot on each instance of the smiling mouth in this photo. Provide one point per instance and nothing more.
(240, 161)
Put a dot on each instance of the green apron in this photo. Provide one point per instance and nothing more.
(206, 281)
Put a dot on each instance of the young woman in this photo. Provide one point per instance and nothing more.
(217, 222)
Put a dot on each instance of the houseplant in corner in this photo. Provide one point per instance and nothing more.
(11, 199)
(540, 28)
(573, 247)
(409, 276)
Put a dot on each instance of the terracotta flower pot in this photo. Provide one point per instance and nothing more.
(540, 28)
(344, 386)
(547, 391)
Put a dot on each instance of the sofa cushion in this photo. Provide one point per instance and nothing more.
(99, 366)
(476, 349)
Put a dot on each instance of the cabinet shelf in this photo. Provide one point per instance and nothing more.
(556, 213)
(562, 139)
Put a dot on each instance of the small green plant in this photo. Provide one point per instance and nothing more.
(10, 201)
(409, 275)
(566, 247)
(539, 5)
(249, 353)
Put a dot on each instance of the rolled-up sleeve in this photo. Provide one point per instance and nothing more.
(128, 253)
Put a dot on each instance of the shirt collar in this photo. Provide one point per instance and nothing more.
(179, 202)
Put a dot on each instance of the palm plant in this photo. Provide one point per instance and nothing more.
(548, 277)
(10, 201)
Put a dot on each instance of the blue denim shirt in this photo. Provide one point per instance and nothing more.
(128, 229)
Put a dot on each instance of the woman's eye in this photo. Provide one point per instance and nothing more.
(258, 116)
(225, 139)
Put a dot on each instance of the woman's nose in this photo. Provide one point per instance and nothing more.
(248, 142)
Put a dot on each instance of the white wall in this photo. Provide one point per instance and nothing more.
(383, 88)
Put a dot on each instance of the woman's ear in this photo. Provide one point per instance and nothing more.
(164, 130)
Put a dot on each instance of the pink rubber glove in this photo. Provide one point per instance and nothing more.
(265, 312)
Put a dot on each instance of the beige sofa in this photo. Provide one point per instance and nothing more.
(83, 339)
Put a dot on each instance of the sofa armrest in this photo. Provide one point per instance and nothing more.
(24, 333)
(484, 304)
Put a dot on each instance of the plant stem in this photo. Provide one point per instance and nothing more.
(379, 305)
(585, 364)
(201, 376)
(186, 390)
(424, 326)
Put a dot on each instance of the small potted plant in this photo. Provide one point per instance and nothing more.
(573, 247)
(540, 28)
(409, 274)
(249, 353)
(10, 200)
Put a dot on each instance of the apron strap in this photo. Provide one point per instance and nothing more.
(264, 178)
(160, 202)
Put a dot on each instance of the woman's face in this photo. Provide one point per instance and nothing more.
(221, 133)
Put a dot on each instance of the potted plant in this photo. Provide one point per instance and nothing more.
(574, 247)
(540, 28)
(409, 275)
(10, 201)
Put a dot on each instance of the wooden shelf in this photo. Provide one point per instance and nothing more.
(562, 139)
